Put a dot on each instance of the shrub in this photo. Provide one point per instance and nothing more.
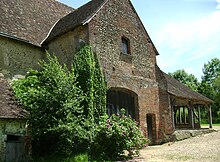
(115, 135)
(53, 99)
(64, 104)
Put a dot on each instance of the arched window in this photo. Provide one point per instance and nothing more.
(118, 98)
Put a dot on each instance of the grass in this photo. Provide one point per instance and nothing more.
(77, 158)
(216, 124)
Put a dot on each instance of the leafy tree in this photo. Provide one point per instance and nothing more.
(64, 104)
(188, 79)
(211, 71)
(53, 99)
(68, 109)
(210, 85)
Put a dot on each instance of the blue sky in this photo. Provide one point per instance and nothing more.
(186, 33)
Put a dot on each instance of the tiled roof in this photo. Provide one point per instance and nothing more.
(76, 18)
(30, 20)
(8, 106)
(175, 88)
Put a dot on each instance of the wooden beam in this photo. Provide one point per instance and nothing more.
(210, 117)
(199, 114)
(191, 117)
(184, 113)
(180, 117)
(172, 104)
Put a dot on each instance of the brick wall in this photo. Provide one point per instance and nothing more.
(135, 72)
(115, 20)
(165, 122)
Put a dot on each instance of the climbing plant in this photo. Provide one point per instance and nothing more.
(91, 81)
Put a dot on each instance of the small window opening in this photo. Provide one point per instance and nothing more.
(13, 138)
(125, 45)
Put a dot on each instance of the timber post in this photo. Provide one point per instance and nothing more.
(191, 115)
(172, 103)
(199, 114)
(210, 117)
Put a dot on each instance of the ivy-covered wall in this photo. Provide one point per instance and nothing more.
(135, 72)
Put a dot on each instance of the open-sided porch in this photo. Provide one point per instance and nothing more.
(187, 115)
(186, 105)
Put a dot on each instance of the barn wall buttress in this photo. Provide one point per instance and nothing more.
(165, 110)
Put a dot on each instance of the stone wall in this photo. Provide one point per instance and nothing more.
(16, 57)
(66, 45)
(135, 72)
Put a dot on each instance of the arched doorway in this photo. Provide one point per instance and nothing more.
(118, 98)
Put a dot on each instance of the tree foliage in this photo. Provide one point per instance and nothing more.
(53, 99)
(210, 85)
(64, 104)
(188, 79)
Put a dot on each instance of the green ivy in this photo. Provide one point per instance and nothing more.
(92, 82)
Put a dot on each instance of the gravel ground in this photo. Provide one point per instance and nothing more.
(203, 148)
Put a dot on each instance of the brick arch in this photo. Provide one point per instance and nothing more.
(118, 98)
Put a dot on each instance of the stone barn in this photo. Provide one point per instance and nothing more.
(127, 55)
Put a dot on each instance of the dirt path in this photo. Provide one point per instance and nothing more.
(204, 148)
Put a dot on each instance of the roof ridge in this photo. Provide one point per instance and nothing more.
(182, 88)
(80, 16)
(91, 17)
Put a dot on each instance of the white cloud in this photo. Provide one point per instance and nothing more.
(196, 39)
(189, 45)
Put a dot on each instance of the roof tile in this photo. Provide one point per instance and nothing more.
(9, 108)
(75, 18)
(30, 20)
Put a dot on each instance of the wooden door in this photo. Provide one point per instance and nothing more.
(15, 150)
(151, 127)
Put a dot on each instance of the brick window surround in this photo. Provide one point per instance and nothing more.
(125, 45)
(125, 54)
